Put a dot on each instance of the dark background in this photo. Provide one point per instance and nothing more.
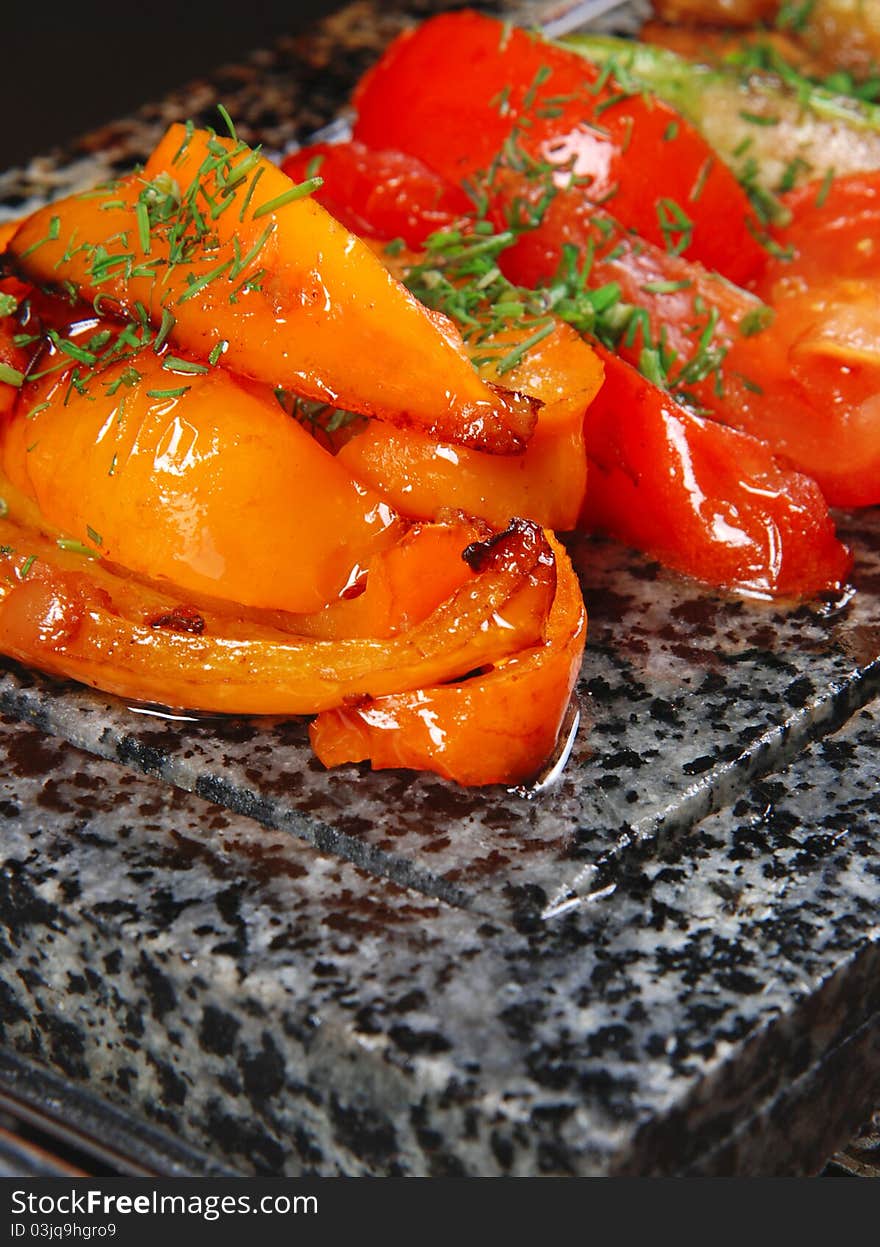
(67, 69)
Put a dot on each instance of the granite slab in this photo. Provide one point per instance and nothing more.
(285, 1012)
(588, 932)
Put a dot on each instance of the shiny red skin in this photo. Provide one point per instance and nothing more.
(635, 149)
(384, 194)
(706, 500)
(834, 230)
(818, 408)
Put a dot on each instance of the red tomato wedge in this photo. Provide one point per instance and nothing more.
(462, 88)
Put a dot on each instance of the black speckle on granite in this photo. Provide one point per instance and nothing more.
(262, 1072)
(247, 1140)
(159, 987)
(365, 1132)
(218, 1031)
(172, 1085)
(66, 1044)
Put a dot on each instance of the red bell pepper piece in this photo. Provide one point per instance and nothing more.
(704, 499)
(834, 231)
(462, 88)
(380, 194)
(803, 376)
(708, 500)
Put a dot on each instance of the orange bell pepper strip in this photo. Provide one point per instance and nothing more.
(706, 500)
(497, 727)
(103, 629)
(421, 477)
(398, 589)
(462, 89)
(193, 478)
(225, 254)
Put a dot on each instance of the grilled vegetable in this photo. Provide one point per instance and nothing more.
(547, 482)
(225, 257)
(499, 94)
(186, 475)
(487, 729)
(709, 501)
(69, 617)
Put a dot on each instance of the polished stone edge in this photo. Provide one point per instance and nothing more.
(109, 1133)
(830, 1098)
(778, 748)
(34, 700)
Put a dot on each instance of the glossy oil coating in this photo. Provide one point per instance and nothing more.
(195, 481)
(263, 286)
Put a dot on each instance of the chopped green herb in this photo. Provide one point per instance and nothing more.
(514, 357)
(756, 321)
(52, 233)
(250, 192)
(676, 226)
(227, 121)
(794, 14)
(792, 172)
(667, 287)
(289, 196)
(168, 393)
(173, 363)
(199, 283)
(651, 366)
(76, 547)
(142, 215)
(825, 189)
(702, 177)
(165, 327)
(759, 119)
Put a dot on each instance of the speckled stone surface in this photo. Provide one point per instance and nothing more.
(664, 961)
(715, 1012)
